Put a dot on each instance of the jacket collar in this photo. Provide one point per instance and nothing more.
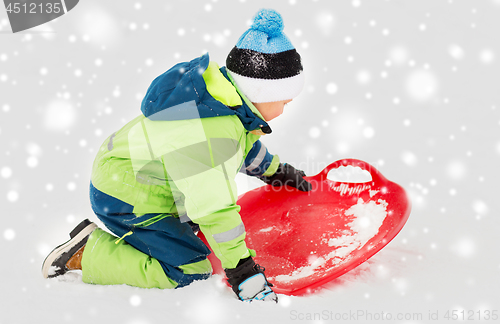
(250, 117)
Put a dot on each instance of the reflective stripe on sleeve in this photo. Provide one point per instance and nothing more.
(184, 218)
(258, 159)
(110, 143)
(229, 235)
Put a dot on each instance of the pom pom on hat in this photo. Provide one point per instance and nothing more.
(264, 64)
(268, 21)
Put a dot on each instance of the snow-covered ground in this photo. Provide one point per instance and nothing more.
(409, 86)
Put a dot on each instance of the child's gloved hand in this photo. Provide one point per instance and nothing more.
(249, 282)
(288, 175)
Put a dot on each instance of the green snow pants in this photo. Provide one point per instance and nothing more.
(155, 250)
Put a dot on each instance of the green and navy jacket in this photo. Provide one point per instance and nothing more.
(181, 156)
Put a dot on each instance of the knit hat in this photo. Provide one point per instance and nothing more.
(264, 64)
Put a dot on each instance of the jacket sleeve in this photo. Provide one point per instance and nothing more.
(203, 173)
(209, 199)
(259, 162)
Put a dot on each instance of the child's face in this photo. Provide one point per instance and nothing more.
(271, 110)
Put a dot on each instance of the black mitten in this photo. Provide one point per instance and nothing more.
(249, 282)
(288, 175)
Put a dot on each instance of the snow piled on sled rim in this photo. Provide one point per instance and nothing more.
(369, 217)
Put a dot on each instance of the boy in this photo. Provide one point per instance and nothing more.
(170, 171)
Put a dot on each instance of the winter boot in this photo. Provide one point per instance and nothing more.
(68, 255)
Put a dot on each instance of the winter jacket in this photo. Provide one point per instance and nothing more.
(180, 157)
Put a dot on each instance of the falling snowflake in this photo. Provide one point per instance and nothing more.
(456, 170)
(6, 172)
(135, 300)
(486, 56)
(456, 52)
(464, 247)
(12, 196)
(9, 234)
(331, 88)
(59, 116)
(421, 85)
(399, 55)
(409, 158)
(325, 22)
(314, 132)
(363, 77)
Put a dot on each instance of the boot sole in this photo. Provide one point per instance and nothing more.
(78, 238)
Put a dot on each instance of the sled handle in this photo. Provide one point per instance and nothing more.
(377, 177)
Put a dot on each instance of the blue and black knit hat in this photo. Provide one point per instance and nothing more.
(264, 64)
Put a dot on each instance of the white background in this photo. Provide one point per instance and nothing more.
(409, 86)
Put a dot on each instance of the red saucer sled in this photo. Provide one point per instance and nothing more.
(306, 239)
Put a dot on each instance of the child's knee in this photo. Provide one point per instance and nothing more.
(195, 271)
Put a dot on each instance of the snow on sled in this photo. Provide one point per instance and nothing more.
(306, 239)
